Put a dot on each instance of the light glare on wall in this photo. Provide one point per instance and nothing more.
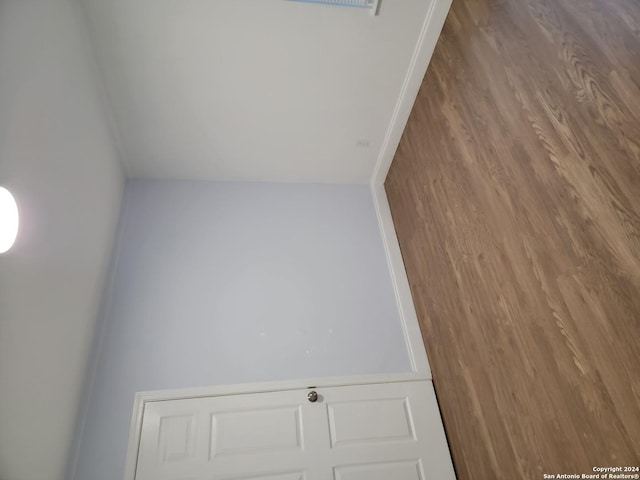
(9, 220)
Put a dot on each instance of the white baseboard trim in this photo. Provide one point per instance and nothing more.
(426, 44)
(408, 316)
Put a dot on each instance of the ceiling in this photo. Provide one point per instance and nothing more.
(268, 90)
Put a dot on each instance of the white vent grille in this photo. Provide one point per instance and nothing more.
(371, 5)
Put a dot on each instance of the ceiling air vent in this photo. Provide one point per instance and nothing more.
(371, 5)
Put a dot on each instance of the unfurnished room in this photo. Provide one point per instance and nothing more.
(319, 239)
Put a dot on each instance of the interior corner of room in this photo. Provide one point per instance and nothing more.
(198, 208)
(251, 239)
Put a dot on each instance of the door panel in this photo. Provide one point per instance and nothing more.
(258, 436)
(410, 470)
(277, 476)
(386, 428)
(244, 432)
(369, 421)
(176, 438)
(382, 431)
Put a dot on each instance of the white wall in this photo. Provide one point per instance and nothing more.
(219, 283)
(57, 157)
(265, 90)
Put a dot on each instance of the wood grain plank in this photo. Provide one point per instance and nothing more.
(516, 197)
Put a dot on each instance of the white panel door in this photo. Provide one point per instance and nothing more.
(372, 432)
(386, 432)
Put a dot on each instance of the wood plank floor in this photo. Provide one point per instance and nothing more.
(516, 197)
